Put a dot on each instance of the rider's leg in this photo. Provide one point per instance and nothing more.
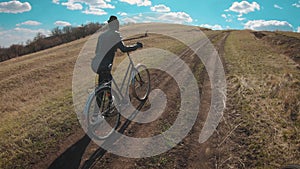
(99, 97)
(104, 77)
(109, 78)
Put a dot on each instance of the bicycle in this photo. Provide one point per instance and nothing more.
(106, 102)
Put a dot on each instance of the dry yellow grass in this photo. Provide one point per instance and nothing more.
(291, 34)
(36, 105)
(262, 120)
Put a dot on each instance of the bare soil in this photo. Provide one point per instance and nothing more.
(260, 127)
(187, 154)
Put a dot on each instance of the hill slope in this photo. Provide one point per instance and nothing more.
(260, 127)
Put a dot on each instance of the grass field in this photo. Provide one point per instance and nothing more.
(36, 104)
(36, 108)
(262, 116)
(260, 128)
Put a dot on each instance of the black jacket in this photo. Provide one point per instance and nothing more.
(107, 45)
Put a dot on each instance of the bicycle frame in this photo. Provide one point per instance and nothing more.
(129, 72)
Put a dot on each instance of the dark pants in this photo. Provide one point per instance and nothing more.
(104, 76)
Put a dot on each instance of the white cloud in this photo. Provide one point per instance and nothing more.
(297, 5)
(55, 1)
(298, 29)
(270, 25)
(14, 7)
(160, 8)
(241, 19)
(244, 7)
(138, 2)
(176, 17)
(122, 13)
(99, 4)
(170, 17)
(72, 6)
(277, 6)
(134, 19)
(129, 20)
(227, 17)
(213, 27)
(29, 22)
(19, 35)
(94, 7)
(62, 23)
(95, 11)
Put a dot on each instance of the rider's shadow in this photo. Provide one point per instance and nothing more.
(99, 153)
(72, 156)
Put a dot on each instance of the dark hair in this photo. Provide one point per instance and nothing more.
(112, 18)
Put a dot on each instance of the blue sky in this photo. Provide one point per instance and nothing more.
(21, 20)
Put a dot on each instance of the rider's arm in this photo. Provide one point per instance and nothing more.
(124, 48)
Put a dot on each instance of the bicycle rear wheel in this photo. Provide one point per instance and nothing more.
(103, 116)
(141, 83)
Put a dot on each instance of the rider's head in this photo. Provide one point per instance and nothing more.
(113, 23)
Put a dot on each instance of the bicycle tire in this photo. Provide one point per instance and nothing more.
(107, 115)
(141, 83)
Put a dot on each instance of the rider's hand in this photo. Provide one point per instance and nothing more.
(139, 45)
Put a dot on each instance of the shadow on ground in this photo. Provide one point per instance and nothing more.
(72, 157)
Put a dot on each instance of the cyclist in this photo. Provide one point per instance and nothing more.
(108, 43)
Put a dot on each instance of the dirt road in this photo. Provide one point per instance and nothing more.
(259, 129)
(189, 153)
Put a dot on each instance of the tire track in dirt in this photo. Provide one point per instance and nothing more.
(203, 155)
(185, 154)
(159, 80)
(189, 153)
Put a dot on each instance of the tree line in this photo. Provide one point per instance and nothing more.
(58, 36)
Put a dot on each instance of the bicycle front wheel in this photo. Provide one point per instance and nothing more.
(103, 116)
(141, 83)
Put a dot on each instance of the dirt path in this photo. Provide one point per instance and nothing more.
(188, 153)
(204, 155)
(257, 74)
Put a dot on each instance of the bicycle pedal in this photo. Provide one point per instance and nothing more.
(97, 120)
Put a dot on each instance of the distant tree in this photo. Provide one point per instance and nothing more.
(56, 31)
(57, 37)
(39, 36)
(15, 50)
(67, 29)
(28, 42)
